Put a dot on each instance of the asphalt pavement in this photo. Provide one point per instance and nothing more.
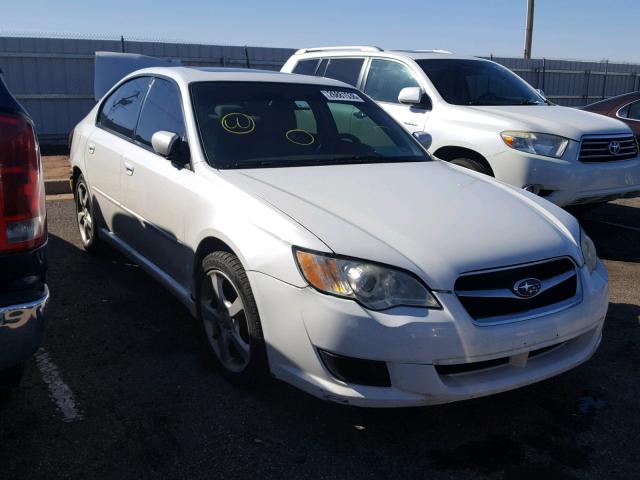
(122, 389)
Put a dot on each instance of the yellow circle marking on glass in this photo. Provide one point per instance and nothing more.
(238, 123)
(296, 130)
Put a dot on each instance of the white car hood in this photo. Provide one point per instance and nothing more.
(564, 121)
(428, 217)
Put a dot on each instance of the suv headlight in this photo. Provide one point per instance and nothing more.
(588, 251)
(374, 286)
(538, 143)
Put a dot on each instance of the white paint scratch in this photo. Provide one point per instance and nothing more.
(59, 391)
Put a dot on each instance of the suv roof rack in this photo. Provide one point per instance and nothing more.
(435, 50)
(360, 48)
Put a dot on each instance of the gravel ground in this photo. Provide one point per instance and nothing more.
(146, 404)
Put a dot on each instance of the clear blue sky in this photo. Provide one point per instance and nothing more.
(587, 29)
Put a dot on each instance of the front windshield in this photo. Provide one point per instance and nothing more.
(478, 82)
(256, 125)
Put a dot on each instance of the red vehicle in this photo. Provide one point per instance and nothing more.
(623, 107)
(23, 238)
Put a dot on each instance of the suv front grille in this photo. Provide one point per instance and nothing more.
(490, 297)
(604, 149)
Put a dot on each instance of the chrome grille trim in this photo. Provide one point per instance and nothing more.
(506, 293)
(596, 149)
(527, 314)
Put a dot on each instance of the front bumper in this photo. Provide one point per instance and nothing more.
(415, 342)
(569, 181)
(21, 330)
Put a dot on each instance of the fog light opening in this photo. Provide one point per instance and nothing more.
(356, 370)
(535, 189)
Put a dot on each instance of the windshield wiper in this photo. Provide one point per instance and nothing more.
(531, 102)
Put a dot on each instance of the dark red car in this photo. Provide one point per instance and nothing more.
(623, 107)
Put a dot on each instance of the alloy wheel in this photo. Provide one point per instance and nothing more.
(223, 315)
(83, 208)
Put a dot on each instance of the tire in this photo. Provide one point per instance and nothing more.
(472, 165)
(9, 380)
(85, 217)
(232, 331)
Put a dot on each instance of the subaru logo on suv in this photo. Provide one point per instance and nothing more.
(527, 288)
(614, 147)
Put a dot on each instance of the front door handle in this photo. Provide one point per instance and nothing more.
(129, 169)
(92, 148)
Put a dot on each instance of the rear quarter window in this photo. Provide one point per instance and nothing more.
(119, 113)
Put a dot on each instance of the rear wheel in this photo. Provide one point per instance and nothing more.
(471, 165)
(85, 216)
(230, 322)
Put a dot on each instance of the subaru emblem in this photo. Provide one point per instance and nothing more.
(527, 287)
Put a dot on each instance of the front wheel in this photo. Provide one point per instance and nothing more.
(471, 165)
(230, 322)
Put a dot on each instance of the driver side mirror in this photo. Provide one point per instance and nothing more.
(414, 96)
(424, 138)
(170, 146)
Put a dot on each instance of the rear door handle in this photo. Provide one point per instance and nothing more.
(129, 169)
(92, 148)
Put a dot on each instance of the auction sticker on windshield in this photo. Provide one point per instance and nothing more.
(337, 95)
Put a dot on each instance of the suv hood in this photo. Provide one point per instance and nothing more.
(431, 218)
(554, 119)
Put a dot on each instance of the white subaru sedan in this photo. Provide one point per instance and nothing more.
(317, 242)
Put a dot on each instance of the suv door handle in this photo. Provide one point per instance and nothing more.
(92, 148)
(129, 169)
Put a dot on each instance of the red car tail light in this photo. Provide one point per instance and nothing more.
(22, 196)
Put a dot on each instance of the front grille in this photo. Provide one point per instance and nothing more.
(601, 149)
(490, 296)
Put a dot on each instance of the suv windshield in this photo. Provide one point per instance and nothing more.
(478, 82)
(254, 125)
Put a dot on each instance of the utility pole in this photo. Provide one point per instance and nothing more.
(529, 31)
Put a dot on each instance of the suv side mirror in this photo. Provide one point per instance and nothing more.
(170, 146)
(414, 96)
(424, 138)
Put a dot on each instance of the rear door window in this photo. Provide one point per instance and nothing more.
(386, 78)
(162, 110)
(344, 69)
(119, 113)
(306, 67)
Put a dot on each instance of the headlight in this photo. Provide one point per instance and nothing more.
(538, 143)
(588, 251)
(374, 286)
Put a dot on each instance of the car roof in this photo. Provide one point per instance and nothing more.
(368, 51)
(209, 74)
(617, 100)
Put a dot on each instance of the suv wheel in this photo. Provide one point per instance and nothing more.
(471, 165)
(230, 322)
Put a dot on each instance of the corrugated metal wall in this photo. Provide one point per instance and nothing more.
(574, 83)
(53, 77)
